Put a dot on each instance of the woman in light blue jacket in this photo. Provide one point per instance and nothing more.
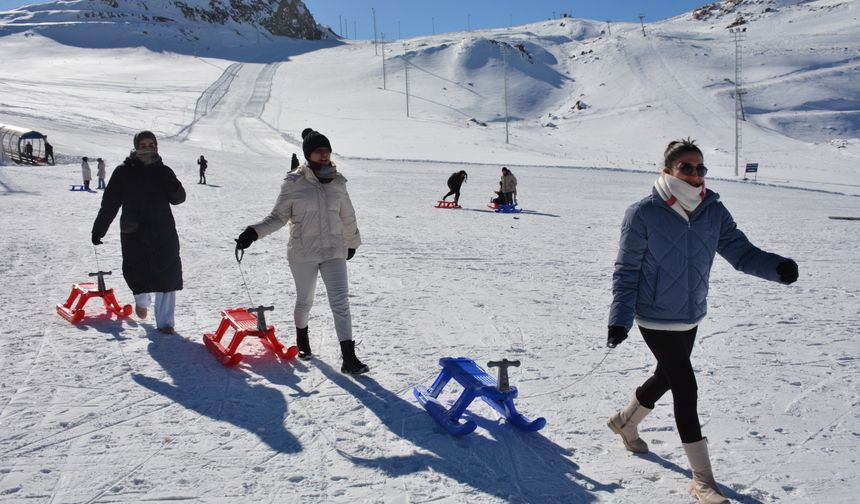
(668, 243)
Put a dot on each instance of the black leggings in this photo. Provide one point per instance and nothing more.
(674, 372)
(456, 192)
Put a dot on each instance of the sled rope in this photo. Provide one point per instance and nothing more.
(586, 375)
(96, 250)
(242, 272)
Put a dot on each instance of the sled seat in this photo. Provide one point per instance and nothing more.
(476, 383)
(245, 322)
(83, 291)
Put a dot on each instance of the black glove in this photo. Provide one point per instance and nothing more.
(245, 239)
(617, 334)
(97, 240)
(787, 271)
(349, 253)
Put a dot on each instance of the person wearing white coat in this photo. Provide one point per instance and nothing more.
(86, 172)
(323, 236)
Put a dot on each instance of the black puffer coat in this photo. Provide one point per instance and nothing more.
(150, 245)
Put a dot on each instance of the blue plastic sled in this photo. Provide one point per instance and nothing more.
(476, 383)
(76, 187)
(505, 208)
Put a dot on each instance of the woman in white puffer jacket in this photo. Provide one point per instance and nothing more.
(323, 236)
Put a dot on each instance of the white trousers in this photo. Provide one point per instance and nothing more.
(165, 306)
(336, 282)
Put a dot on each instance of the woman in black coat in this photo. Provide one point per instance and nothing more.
(145, 188)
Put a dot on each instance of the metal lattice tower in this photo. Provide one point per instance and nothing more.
(738, 34)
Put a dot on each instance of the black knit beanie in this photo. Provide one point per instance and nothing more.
(144, 134)
(313, 141)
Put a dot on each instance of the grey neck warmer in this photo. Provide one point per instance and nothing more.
(146, 156)
(324, 173)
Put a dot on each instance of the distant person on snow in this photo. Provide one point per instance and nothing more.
(455, 181)
(323, 236)
(86, 173)
(100, 172)
(509, 186)
(49, 152)
(667, 247)
(28, 152)
(294, 162)
(144, 188)
(203, 164)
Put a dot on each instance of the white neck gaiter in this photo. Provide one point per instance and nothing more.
(681, 196)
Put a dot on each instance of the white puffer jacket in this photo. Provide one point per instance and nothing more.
(321, 217)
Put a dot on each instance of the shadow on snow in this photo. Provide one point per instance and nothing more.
(514, 466)
(199, 383)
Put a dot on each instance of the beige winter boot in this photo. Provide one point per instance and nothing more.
(624, 424)
(703, 487)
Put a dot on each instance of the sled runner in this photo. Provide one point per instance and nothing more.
(476, 383)
(83, 292)
(505, 207)
(447, 204)
(246, 322)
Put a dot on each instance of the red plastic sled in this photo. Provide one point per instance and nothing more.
(83, 292)
(246, 322)
(447, 204)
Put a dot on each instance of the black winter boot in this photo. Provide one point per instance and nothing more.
(304, 344)
(351, 364)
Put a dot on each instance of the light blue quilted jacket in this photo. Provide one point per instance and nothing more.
(664, 262)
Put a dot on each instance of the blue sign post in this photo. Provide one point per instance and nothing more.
(751, 168)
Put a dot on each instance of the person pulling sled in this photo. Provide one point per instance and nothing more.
(323, 236)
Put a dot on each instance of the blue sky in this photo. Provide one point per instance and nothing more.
(409, 18)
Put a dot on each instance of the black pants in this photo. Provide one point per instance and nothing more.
(674, 372)
(508, 197)
(202, 177)
(455, 191)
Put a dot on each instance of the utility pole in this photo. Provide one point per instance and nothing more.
(375, 38)
(354, 29)
(399, 36)
(433, 24)
(383, 60)
(609, 26)
(340, 24)
(738, 34)
(642, 22)
(504, 47)
(406, 70)
(345, 28)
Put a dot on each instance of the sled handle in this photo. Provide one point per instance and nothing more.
(261, 315)
(101, 280)
(503, 365)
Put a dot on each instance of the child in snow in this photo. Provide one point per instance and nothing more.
(667, 247)
(455, 181)
(144, 188)
(323, 236)
(100, 172)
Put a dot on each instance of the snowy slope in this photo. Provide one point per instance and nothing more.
(114, 411)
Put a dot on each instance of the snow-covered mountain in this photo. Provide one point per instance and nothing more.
(180, 26)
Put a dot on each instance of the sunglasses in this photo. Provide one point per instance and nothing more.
(688, 169)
